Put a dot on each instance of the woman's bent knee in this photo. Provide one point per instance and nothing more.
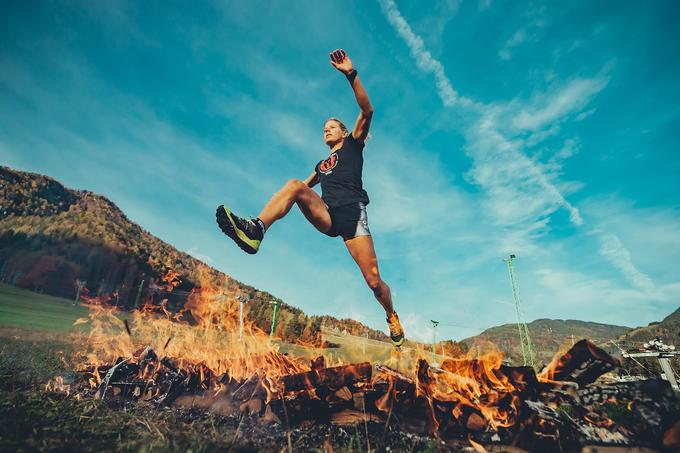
(373, 282)
(295, 186)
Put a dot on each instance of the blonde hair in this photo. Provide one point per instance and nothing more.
(342, 126)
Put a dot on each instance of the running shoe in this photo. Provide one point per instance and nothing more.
(396, 332)
(246, 233)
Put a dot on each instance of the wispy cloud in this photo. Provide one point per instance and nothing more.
(434, 24)
(516, 39)
(519, 192)
(572, 292)
(424, 59)
(555, 106)
(529, 32)
(613, 250)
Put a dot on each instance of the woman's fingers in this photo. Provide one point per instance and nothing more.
(338, 55)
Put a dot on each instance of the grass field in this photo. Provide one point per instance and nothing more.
(36, 314)
(28, 310)
(352, 348)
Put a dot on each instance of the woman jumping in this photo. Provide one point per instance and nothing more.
(341, 209)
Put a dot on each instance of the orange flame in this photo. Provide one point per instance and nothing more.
(204, 337)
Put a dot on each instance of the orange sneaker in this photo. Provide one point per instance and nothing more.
(396, 331)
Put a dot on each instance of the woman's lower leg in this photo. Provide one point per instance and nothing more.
(279, 205)
(384, 296)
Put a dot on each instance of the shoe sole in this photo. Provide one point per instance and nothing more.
(398, 343)
(228, 227)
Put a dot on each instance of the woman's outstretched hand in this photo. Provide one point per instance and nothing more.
(341, 61)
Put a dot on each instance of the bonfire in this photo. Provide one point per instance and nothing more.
(198, 357)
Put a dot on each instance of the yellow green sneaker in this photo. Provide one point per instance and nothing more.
(396, 331)
(246, 233)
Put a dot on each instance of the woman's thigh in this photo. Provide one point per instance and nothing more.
(314, 209)
(362, 250)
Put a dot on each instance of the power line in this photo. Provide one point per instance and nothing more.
(462, 327)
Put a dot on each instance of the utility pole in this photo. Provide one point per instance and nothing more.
(139, 293)
(80, 284)
(276, 309)
(241, 300)
(434, 340)
(524, 339)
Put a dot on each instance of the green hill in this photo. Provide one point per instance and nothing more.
(547, 336)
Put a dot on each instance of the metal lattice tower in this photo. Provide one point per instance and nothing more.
(524, 339)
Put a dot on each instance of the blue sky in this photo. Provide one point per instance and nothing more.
(545, 130)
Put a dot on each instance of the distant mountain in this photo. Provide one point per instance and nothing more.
(667, 329)
(51, 236)
(547, 336)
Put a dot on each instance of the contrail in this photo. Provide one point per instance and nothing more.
(423, 58)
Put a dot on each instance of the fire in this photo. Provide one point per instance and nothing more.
(202, 338)
(476, 390)
(202, 344)
(475, 381)
(57, 385)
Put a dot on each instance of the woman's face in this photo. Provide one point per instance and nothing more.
(333, 133)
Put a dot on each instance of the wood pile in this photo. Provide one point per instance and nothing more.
(564, 408)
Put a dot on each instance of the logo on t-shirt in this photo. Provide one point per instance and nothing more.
(327, 166)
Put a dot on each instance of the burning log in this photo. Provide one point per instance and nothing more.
(122, 367)
(335, 377)
(251, 389)
(352, 417)
(523, 378)
(583, 364)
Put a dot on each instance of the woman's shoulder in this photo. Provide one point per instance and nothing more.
(353, 143)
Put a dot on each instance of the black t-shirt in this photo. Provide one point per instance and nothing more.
(340, 175)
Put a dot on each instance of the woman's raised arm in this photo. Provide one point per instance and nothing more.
(341, 62)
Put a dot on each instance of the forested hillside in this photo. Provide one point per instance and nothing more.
(52, 237)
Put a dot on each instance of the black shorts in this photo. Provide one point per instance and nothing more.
(348, 221)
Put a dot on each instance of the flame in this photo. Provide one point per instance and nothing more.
(57, 385)
(473, 382)
(171, 280)
(476, 382)
(202, 338)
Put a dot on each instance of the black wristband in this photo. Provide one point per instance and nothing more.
(351, 75)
